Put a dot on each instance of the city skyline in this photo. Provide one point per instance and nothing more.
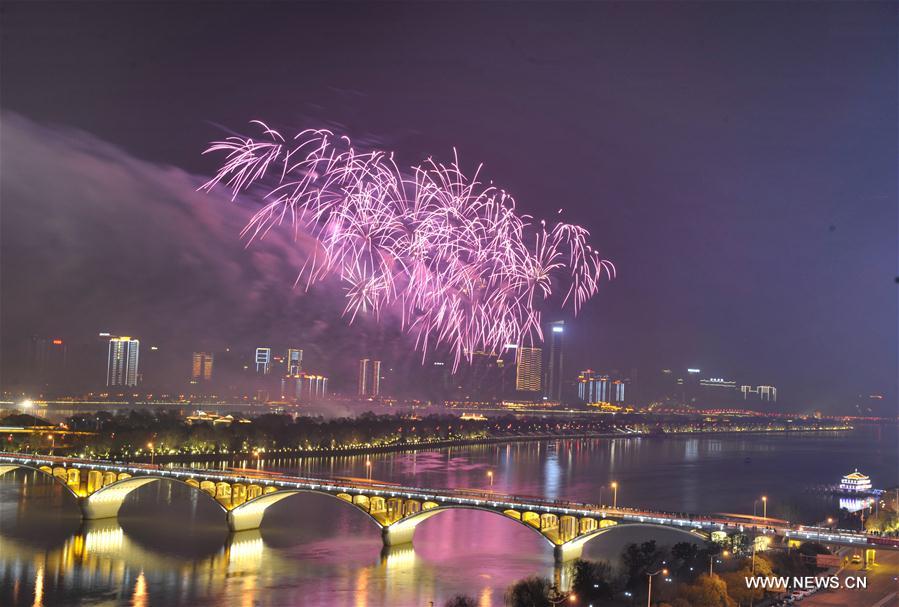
(530, 378)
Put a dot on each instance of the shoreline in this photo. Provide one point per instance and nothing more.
(444, 444)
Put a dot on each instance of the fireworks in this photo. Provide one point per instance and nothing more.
(450, 254)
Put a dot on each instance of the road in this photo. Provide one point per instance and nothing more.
(881, 591)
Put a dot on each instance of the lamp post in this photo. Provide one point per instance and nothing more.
(649, 576)
(490, 476)
(765, 506)
(614, 495)
(368, 469)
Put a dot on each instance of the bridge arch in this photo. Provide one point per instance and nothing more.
(574, 548)
(107, 501)
(401, 531)
(4, 468)
(249, 515)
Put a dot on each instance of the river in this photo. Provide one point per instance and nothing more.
(170, 546)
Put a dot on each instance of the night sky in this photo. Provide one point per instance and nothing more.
(736, 161)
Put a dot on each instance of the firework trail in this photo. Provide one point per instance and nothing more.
(465, 270)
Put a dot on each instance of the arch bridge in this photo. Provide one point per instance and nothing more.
(243, 497)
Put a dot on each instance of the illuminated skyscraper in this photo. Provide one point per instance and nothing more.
(263, 360)
(586, 386)
(552, 383)
(528, 369)
(363, 377)
(294, 361)
(369, 377)
(202, 367)
(376, 378)
(121, 365)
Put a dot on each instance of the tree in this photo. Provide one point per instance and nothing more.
(592, 581)
(529, 592)
(638, 560)
(685, 555)
(461, 600)
(706, 591)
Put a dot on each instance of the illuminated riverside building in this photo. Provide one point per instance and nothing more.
(586, 386)
(528, 369)
(294, 361)
(202, 367)
(369, 384)
(759, 393)
(263, 360)
(594, 389)
(855, 482)
(122, 360)
(552, 383)
(304, 387)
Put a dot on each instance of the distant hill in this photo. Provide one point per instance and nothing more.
(23, 419)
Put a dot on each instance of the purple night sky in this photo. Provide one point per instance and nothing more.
(736, 161)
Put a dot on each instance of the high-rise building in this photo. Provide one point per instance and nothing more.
(528, 369)
(586, 386)
(121, 365)
(362, 379)
(369, 378)
(552, 383)
(294, 361)
(48, 360)
(376, 378)
(601, 388)
(617, 392)
(202, 367)
(263, 361)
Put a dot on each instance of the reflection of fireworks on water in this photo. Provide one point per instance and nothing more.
(464, 269)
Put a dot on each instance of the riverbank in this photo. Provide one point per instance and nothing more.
(443, 444)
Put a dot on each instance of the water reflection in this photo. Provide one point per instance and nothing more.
(170, 547)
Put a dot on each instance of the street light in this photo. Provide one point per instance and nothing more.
(614, 495)
(152, 453)
(649, 588)
(490, 476)
(368, 468)
(765, 506)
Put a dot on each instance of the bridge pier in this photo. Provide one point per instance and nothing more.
(568, 552)
(397, 535)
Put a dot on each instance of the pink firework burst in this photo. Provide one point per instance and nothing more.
(451, 254)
